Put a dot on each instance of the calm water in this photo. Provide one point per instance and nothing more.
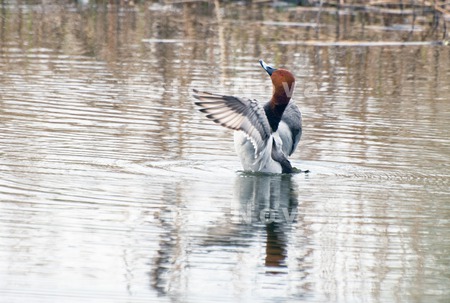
(114, 188)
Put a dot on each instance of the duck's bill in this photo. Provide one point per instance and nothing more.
(269, 69)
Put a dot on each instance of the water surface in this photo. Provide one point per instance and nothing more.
(114, 188)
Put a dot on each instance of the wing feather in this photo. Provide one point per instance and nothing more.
(236, 113)
(293, 119)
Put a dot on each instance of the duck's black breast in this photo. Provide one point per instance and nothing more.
(274, 114)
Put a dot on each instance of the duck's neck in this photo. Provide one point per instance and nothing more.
(274, 112)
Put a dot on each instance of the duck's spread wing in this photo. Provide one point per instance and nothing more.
(238, 114)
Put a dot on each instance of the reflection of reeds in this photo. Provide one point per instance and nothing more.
(394, 7)
(434, 15)
(220, 26)
(385, 4)
(390, 6)
(436, 12)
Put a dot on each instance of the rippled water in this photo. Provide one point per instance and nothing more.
(114, 188)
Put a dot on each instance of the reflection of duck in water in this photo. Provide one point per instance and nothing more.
(266, 135)
(272, 200)
(275, 246)
(261, 214)
(266, 198)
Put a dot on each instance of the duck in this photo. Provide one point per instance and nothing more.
(265, 134)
